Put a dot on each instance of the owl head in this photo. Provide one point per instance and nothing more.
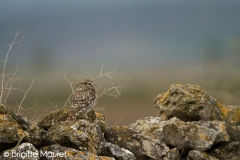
(87, 83)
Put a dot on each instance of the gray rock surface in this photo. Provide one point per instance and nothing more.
(227, 151)
(183, 135)
(82, 135)
(119, 153)
(138, 144)
(198, 155)
(25, 151)
(188, 103)
(48, 153)
(234, 132)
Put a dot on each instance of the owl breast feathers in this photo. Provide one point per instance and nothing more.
(83, 99)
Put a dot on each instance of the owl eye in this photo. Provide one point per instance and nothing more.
(90, 83)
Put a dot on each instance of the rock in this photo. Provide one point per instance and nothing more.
(148, 126)
(173, 155)
(220, 129)
(227, 151)
(66, 153)
(32, 133)
(53, 118)
(231, 114)
(82, 135)
(25, 151)
(119, 153)
(192, 103)
(190, 121)
(234, 132)
(188, 103)
(59, 116)
(198, 155)
(139, 145)
(183, 135)
(11, 132)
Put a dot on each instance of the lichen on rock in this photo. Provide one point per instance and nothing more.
(188, 103)
(190, 125)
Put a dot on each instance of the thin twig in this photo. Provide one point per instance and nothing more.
(202, 69)
(79, 77)
(24, 97)
(5, 63)
(68, 100)
(106, 74)
(117, 121)
(11, 81)
(69, 82)
(41, 114)
(55, 106)
(114, 91)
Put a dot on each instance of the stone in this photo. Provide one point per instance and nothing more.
(220, 129)
(25, 151)
(118, 152)
(192, 103)
(53, 118)
(188, 103)
(231, 114)
(66, 153)
(59, 116)
(148, 126)
(227, 151)
(198, 155)
(32, 133)
(234, 132)
(11, 132)
(82, 135)
(183, 135)
(138, 144)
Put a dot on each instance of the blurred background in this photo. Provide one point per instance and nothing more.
(151, 44)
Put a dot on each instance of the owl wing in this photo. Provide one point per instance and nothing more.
(83, 98)
(82, 101)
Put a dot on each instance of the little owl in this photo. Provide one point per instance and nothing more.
(83, 99)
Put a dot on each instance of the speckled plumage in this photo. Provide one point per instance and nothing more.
(83, 99)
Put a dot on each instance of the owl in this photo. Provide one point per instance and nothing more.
(83, 99)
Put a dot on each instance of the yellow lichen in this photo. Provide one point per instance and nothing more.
(236, 116)
(20, 132)
(223, 110)
(202, 136)
(163, 97)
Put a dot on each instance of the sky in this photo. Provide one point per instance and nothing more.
(151, 42)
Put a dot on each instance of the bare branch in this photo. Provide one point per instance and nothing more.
(119, 119)
(5, 63)
(69, 82)
(55, 106)
(68, 100)
(106, 74)
(24, 97)
(11, 80)
(19, 89)
(114, 91)
(79, 77)
(41, 115)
